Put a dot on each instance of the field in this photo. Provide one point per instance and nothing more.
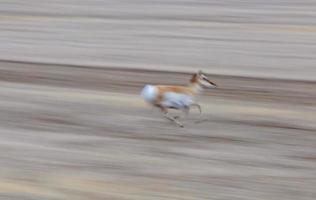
(69, 132)
(73, 124)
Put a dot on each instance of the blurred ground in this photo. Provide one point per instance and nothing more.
(72, 124)
(69, 132)
(266, 38)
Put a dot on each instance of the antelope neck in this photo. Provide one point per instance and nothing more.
(196, 87)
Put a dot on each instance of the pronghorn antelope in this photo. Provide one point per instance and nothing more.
(176, 97)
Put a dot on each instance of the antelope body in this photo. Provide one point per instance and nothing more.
(176, 97)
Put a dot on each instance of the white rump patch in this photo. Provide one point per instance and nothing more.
(149, 93)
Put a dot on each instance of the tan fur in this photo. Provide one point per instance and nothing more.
(194, 87)
(194, 78)
(177, 89)
(162, 89)
(189, 90)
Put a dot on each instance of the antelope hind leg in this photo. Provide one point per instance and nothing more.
(185, 110)
(166, 115)
(173, 119)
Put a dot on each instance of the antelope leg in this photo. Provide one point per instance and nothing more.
(173, 119)
(198, 106)
(185, 110)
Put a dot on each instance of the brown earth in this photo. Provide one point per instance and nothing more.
(69, 132)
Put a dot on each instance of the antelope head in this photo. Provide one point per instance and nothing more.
(202, 80)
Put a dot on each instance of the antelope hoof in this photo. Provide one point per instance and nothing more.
(179, 124)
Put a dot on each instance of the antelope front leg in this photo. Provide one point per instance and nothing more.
(198, 106)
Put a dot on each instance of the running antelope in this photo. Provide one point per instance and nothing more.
(177, 97)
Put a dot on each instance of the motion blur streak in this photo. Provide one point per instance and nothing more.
(73, 125)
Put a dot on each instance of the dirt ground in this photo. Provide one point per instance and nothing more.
(258, 38)
(75, 127)
(70, 132)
